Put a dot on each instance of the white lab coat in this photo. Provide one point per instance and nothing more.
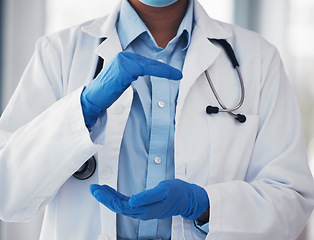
(256, 174)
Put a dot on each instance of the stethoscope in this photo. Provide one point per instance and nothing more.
(212, 109)
(89, 167)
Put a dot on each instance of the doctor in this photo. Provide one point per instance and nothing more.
(165, 168)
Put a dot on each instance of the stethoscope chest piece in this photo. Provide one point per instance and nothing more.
(86, 170)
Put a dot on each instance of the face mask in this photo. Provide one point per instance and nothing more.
(158, 3)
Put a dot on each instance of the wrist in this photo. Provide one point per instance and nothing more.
(204, 218)
(90, 111)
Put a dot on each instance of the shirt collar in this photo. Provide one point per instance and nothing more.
(187, 23)
(130, 25)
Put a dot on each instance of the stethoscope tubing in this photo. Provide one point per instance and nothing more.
(222, 105)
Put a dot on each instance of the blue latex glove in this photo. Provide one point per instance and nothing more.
(169, 198)
(116, 77)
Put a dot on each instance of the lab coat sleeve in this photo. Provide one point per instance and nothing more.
(43, 139)
(276, 198)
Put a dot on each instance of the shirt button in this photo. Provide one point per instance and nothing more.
(161, 104)
(107, 172)
(157, 160)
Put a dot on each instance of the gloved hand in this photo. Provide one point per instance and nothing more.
(116, 77)
(169, 198)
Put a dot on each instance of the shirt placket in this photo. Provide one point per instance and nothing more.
(157, 159)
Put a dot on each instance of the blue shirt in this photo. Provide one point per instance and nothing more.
(147, 149)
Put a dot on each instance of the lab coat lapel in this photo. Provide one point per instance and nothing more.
(200, 56)
(109, 47)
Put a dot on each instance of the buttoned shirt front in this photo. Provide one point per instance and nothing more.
(147, 149)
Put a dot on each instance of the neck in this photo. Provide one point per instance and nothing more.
(162, 22)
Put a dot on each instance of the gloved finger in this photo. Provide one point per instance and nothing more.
(158, 69)
(105, 188)
(109, 197)
(148, 197)
(146, 66)
(162, 70)
(115, 201)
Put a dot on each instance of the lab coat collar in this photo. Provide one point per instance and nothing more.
(105, 28)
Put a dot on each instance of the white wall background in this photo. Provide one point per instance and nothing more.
(23, 23)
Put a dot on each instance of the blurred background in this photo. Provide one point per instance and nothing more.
(288, 24)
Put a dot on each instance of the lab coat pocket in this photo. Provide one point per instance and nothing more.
(231, 144)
